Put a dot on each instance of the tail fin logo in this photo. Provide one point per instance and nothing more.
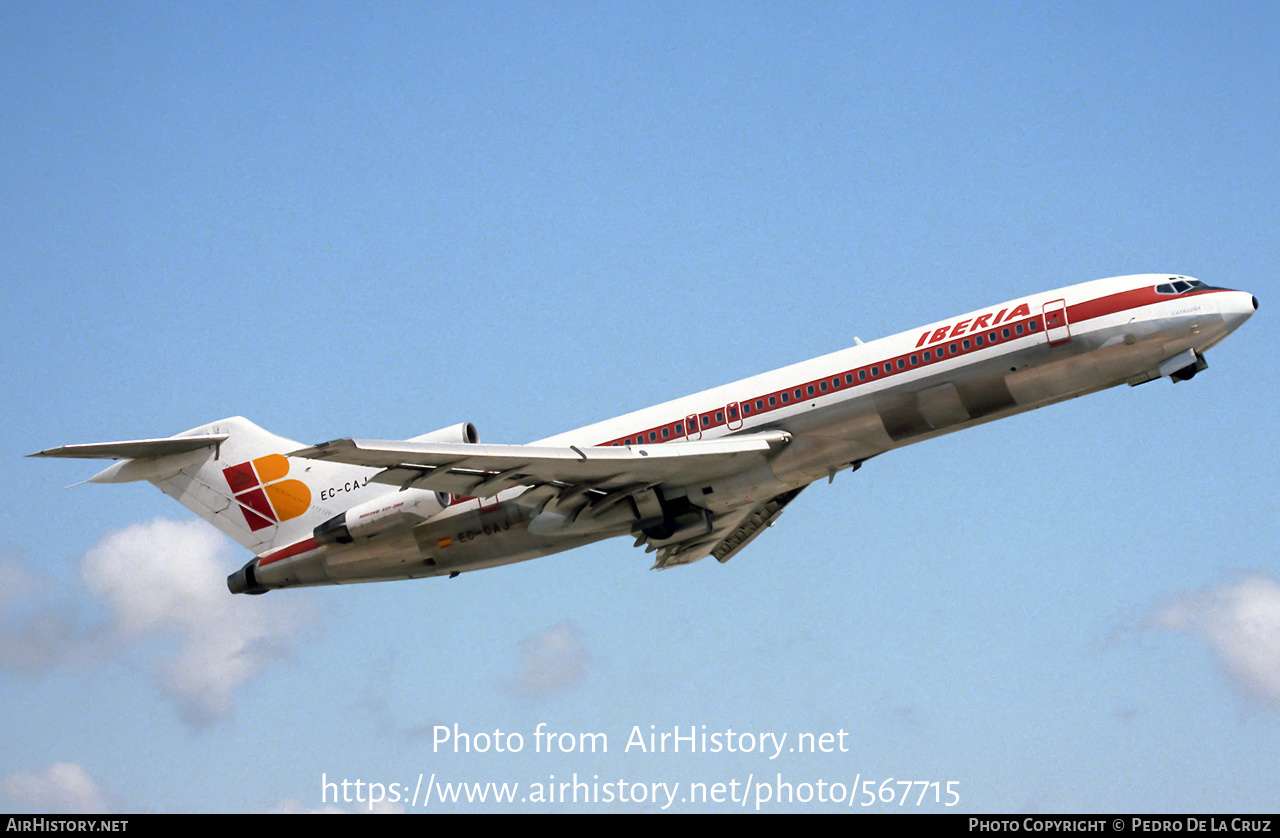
(263, 495)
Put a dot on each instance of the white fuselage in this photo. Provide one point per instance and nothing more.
(839, 409)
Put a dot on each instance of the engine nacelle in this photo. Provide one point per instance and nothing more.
(397, 510)
(461, 432)
(404, 509)
(244, 581)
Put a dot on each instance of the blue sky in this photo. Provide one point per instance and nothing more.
(377, 220)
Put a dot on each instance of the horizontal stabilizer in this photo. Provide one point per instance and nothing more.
(134, 448)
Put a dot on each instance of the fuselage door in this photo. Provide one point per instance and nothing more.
(691, 429)
(733, 416)
(1056, 328)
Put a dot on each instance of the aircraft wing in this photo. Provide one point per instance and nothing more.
(579, 482)
(484, 470)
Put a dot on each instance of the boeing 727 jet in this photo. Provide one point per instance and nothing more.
(699, 476)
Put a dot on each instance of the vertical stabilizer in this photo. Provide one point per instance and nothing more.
(236, 476)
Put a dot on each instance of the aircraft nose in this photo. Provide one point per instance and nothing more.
(1238, 307)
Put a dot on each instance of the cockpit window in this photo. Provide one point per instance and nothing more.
(1178, 285)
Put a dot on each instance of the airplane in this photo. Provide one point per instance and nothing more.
(699, 476)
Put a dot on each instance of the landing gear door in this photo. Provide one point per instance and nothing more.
(1056, 327)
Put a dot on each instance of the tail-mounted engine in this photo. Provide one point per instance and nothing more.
(461, 432)
(403, 509)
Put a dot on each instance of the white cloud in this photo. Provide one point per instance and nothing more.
(552, 660)
(294, 807)
(16, 582)
(167, 577)
(1241, 621)
(41, 625)
(290, 806)
(62, 787)
(46, 635)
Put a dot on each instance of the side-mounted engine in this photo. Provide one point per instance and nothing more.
(404, 509)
